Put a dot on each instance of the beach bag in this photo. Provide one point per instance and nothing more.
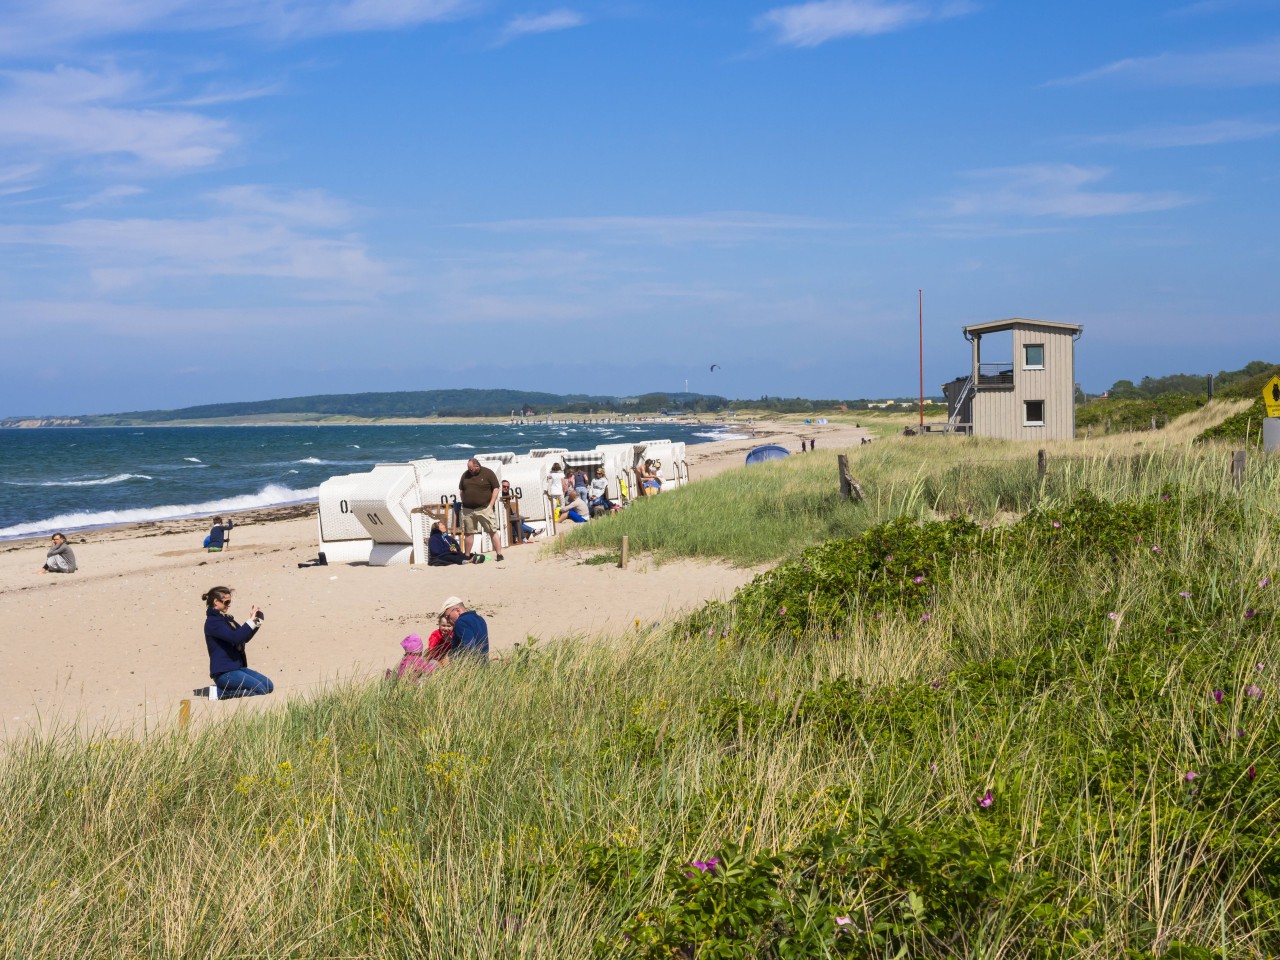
(208, 540)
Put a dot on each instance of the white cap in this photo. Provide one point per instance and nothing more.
(450, 603)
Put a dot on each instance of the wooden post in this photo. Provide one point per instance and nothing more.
(560, 541)
(184, 714)
(850, 489)
(1237, 469)
(622, 560)
(1153, 423)
(1042, 463)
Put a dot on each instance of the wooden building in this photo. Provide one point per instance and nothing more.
(1027, 392)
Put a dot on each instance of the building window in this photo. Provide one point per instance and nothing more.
(1033, 356)
(1033, 413)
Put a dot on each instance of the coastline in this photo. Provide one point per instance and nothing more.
(114, 648)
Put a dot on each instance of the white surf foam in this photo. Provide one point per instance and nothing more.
(193, 459)
(462, 446)
(272, 495)
(718, 435)
(99, 482)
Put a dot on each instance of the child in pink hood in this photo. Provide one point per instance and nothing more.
(413, 664)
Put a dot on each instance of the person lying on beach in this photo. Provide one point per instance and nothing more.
(59, 559)
(226, 639)
(217, 538)
(413, 665)
(441, 639)
(444, 550)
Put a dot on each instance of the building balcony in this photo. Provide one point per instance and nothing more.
(995, 376)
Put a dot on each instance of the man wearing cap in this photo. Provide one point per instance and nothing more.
(470, 632)
(478, 490)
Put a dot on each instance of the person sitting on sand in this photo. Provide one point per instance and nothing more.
(444, 550)
(217, 538)
(413, 665)
(470, 632)
(59, 558)
(441, 639)
(576, 510)
(226, 639)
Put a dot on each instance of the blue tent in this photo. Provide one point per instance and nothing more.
(770, 451)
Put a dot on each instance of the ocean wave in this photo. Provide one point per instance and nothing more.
(723, 435)
(98, 482)
(462, 446)
(317, 461)
(271, 495)
(193, 459)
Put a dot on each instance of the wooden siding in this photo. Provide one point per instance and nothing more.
(1000, 413)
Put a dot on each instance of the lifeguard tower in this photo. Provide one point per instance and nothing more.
(1028, 397)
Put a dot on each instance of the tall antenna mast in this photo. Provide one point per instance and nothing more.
(920, 293)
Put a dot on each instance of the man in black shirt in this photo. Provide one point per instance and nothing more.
(478, 490)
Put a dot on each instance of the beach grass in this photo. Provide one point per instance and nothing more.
(1062, 740)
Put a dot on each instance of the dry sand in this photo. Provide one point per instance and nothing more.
(115, 647)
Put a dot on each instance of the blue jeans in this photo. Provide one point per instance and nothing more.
(242, 683)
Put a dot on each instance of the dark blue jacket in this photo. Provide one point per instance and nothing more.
(218, 535)
(471, 635)
(443, 550)
(225, 640)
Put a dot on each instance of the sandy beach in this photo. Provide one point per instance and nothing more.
(115, 647)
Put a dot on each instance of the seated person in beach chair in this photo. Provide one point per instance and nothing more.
(598, 493)
(59, 558)
(414, 665)
(519, 531)
(650, 482)
(444, 550)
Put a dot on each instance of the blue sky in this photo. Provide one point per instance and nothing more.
(208, 200)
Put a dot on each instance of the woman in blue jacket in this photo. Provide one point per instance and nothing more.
(444, 550)
(226, 639)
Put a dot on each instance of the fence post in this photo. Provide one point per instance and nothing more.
(1042, 463)
(622, 560)
(1153, 423)
(1237, 469)
(850, 489)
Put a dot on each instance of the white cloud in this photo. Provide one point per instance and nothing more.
(105, 196)
(1252, 65)
(1052, 190)
(278, 238)
(811, 24)
(711, 227)
(71, 112)
(1188, 135)
(57, 24)
(312, 208)
(561, 19)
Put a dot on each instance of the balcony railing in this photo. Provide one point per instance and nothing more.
(995, 374)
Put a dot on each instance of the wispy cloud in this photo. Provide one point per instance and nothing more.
(69, 112)
(1187, 135)
(105, 196)
(811, 24)
(58, 24)
(1251, 65)
(1059, 190)
(560, 19)
(699, 228)
(255, 234)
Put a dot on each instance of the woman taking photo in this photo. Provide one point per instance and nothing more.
(226, 639)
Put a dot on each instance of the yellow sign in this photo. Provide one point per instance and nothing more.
(1271, 397)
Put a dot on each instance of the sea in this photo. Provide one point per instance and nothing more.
(70, 478)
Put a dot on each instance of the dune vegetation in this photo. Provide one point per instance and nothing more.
(986, 713)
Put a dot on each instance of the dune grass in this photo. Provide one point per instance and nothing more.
(1041, 749)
